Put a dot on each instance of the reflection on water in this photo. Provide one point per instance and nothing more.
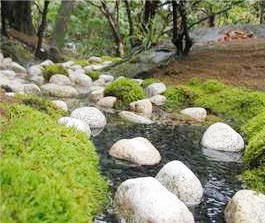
(219, 179)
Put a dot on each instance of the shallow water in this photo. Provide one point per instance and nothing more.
(219, 179)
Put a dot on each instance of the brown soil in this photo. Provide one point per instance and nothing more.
(239, 62)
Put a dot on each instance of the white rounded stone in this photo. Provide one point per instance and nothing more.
(246, 206)
(32, 89)
(17, 68)
(132, 117)
(76, 123)
(106, 77)
(196, 113)
(60, 104)
(80, 79)
(96, 95)
(99, 82)
(143, 107)
(155, 89)
(94, 59)
(220, 136)
(60, 79)
(107, 102)
(46, 63)
(137, 150)
(91, 116)
(145, 200)
(39, 80)
(181, 181)
(158, 99)
(59, 91)
(35, 70)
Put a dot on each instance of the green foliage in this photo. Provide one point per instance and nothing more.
(81, 62)
(48, 173)
(126, 90)
(244, 107)
(93, 74)
(149, 81)
(50, 70)
(41, 104)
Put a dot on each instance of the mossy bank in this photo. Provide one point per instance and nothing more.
(48, 173)
(243, 107)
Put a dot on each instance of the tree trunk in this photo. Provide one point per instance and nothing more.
(4, 13)
(63, 16)
(17, 14)
(130, 21)
(149, 13)
(262, 11)
(181, 38)
(211, 20)
(114, 27)
(38, 52)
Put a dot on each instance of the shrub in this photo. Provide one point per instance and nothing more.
(212, 86)
(126, 90)
(93, 74)
(149, 81)
(53, 69)
(48, 173)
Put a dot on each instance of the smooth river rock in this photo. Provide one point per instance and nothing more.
(80, 79)
(142, 107)
(93, 117)
(35, 70)
(246, 206)
(132, 117)
(155, 89)
(197, 113)
(32, 89)
(220, 136)
(59, 91)
(60, 79)
(137, 150)
(76, 123)
(145, 200)
(158, 99)
(107, 102)
(60, 104)
(181, 181)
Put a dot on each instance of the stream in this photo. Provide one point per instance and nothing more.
(220, 179)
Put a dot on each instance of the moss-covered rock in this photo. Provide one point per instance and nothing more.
(93, 74)
(48, 173)
(126, 90)
(50, 70)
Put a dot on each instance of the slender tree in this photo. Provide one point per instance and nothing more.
(62, 19)
(130, 21)
(38, 52)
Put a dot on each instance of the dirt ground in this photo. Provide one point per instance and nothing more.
(239, 62)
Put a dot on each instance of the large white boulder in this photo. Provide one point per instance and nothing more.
(60, 104)
(155, 89)
(181, 181)
(143, 107)
(76, 123)
(137, 150)
(158, 99)
(220, 136)
(107, 77)
(80, 79)
(246, 206)
(10, 74)
(145, 200)
(132, 117)
(196, 113)
(39, 80)
(35, 70)
(107, 102)
(59, 91)
(60, 79)
(93, 117)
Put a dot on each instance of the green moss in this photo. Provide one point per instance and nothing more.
(48, 173)
(126, 90)
(109, 58)
(93, 74)
(244, 107)
(255, 178)
(81, 62)
(50, 70)
(149, 81)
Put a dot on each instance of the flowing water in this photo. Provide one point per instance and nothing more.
(219, 179)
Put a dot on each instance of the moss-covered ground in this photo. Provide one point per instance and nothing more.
(244, 108)
(48, 173)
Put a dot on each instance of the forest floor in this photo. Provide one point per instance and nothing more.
(239, 62)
